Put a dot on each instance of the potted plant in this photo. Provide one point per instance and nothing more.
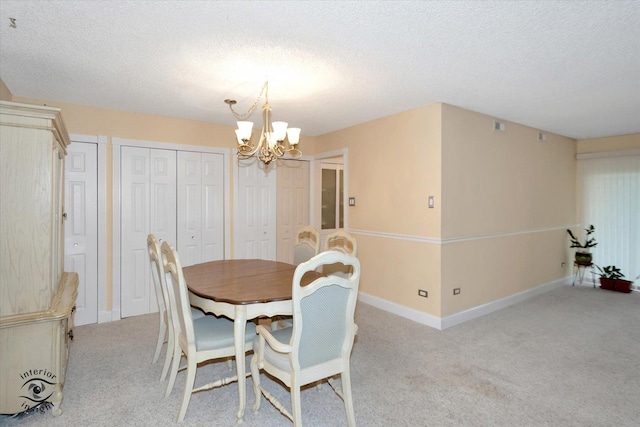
(583, 255)
(611, 278)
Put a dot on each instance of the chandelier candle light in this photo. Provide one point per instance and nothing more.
(271, 145)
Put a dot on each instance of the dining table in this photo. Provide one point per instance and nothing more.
(242, 289)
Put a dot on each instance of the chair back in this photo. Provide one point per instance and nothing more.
(342, 241)
(178, 297)
(157, 273)
(323, 312)
(307, 244)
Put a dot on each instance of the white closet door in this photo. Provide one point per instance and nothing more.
(255, 225)
(134, 264)
(148, 206)
(200, 207)
(212, 207)
(162, 213)
(81, 227)
(190, 208)
(293, 205)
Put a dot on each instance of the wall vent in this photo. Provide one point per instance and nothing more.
(499, 126)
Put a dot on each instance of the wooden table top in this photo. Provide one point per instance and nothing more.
(243, 281)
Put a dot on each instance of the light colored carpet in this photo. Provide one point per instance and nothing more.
(570, 357)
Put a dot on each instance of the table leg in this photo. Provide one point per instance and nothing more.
(239, 325)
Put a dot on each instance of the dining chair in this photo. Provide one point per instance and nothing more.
(198, 340)
(307, 244)
(165, 331)
(318, 345)
(344, 242)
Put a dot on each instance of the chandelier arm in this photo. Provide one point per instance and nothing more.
(241, 116)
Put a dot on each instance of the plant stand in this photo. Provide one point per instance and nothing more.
(579, 268)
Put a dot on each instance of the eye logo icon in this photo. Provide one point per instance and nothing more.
(37, 390)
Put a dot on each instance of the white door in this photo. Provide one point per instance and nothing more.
(332, 198)
(255, 224)
(81, 227)
(148, 205)
(292, 205)
(200, 184)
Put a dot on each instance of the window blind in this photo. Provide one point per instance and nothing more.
(611, 202)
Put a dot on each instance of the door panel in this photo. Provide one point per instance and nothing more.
(134, 280)
(190, 208)
(255, 228)
(148, 181)
(162, 210)
(292, 205)
(213, 207)
(200, 207)
(332, 195)
(81, 227)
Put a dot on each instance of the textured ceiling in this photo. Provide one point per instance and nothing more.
(568, 67)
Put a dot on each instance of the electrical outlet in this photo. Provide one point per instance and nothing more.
(456, 291)
(422, 293)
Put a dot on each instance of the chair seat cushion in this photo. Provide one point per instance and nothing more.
(213, 333)
(279, 360)
(196, 313)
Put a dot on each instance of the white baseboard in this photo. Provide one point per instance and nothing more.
(463, 316)
(401, 310)
(490, 307)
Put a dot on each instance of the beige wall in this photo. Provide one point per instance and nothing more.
(503, 202)
(393, 166)
(508, 199)
(612, 143)
(5, 93)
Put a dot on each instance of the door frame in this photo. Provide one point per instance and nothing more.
(117, 144)
(316, 190)
(101, 143)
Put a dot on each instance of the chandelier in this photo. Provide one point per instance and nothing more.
(271, 145)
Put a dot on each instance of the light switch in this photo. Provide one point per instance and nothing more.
(352, 201)
(432, 202)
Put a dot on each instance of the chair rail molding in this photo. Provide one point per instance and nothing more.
(458, 239)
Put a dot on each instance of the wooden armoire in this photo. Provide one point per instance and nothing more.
(36, 296)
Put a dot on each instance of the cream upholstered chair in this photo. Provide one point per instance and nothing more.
(199, 340)
(344, 242)
(165, 331)
(307, 244)
(319, 343)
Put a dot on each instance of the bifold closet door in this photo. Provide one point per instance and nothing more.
(200, 207)
(292, 205)
(255, 224)
(148, 205)
(81, 227)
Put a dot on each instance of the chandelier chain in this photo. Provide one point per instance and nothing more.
(264, 91)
